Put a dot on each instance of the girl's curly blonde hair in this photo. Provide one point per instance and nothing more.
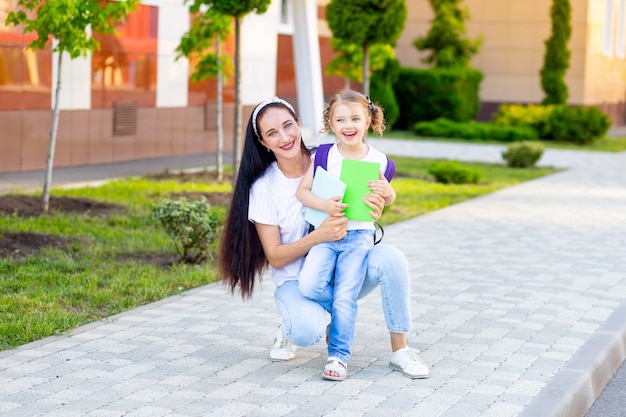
(354, 97)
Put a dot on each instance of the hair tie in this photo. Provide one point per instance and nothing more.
(258, 108)
(370, 105)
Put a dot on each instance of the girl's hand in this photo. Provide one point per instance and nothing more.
(334, 207)
(381, 187)
(377, 203)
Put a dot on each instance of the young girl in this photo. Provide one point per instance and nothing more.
(333, 272)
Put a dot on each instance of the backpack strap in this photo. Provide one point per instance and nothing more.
(321, 156)
(391, 169)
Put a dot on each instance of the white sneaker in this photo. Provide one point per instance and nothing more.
(406, 361)
(282, 350)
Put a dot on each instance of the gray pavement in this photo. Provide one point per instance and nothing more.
(518, 304)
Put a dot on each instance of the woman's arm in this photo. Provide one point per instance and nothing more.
(279, 254)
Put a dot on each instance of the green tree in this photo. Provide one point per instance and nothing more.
(237, 9)
(66, 21)
(366, 23)
(348, 63)
(556, 59)
(446, 39)
(203, 41)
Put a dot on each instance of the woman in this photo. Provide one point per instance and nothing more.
(273, 162)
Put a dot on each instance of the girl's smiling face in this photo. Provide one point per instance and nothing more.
(280, 132)
(349, 122)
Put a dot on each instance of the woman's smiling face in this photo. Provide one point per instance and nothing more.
(280, 132)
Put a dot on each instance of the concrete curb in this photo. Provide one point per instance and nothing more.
(573, 390)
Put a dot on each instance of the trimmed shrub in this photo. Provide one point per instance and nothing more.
(452, 172)
(428, 94)
(523, 154)
(382, 94)
(191, 225)
(533, 115)
(445, 128)
(446, 41)
(556, 59)
(577, 124)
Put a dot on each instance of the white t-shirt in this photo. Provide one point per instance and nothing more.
(333, 166)
(273, 201)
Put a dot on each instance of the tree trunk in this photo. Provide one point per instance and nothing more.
(238, 106)
(366, 72)
(220, 101)
(346, 83)
(53, 137)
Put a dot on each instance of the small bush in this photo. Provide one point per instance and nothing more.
(444, 128)
(191, 225)
(452, 172)
(523, 154)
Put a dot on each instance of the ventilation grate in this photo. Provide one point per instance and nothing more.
(124, 118)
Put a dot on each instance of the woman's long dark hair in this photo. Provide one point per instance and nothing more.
(240, 255)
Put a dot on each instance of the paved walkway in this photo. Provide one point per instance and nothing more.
(518, 307)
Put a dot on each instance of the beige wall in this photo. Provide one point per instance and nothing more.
(514, 34)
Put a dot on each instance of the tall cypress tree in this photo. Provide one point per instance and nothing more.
(556, 60)
(446, 40)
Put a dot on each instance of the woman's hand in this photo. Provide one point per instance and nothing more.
(377, 203)
(333, 228)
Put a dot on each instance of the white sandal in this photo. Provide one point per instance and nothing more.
(333, 364)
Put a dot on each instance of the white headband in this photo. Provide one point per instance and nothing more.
(256, 111)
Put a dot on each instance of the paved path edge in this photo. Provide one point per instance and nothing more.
(104, 320)
(573, 390)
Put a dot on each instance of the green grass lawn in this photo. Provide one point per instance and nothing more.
(606, 144)
(103, 270)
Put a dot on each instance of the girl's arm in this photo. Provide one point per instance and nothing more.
(279, 254)
(332, 206)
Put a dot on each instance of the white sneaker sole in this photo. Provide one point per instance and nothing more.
(412, 376)
(281, 357)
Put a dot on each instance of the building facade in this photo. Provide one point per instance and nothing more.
(133, 99)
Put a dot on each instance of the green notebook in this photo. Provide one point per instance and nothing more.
(355, 174)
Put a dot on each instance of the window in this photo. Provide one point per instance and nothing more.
(286, 18)
(125, 67)
(25, 74)
(614, 42)
(619, 46)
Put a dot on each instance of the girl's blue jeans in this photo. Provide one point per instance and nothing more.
(304, 321)
(333, 275)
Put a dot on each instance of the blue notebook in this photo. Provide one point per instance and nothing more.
(324, 186)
